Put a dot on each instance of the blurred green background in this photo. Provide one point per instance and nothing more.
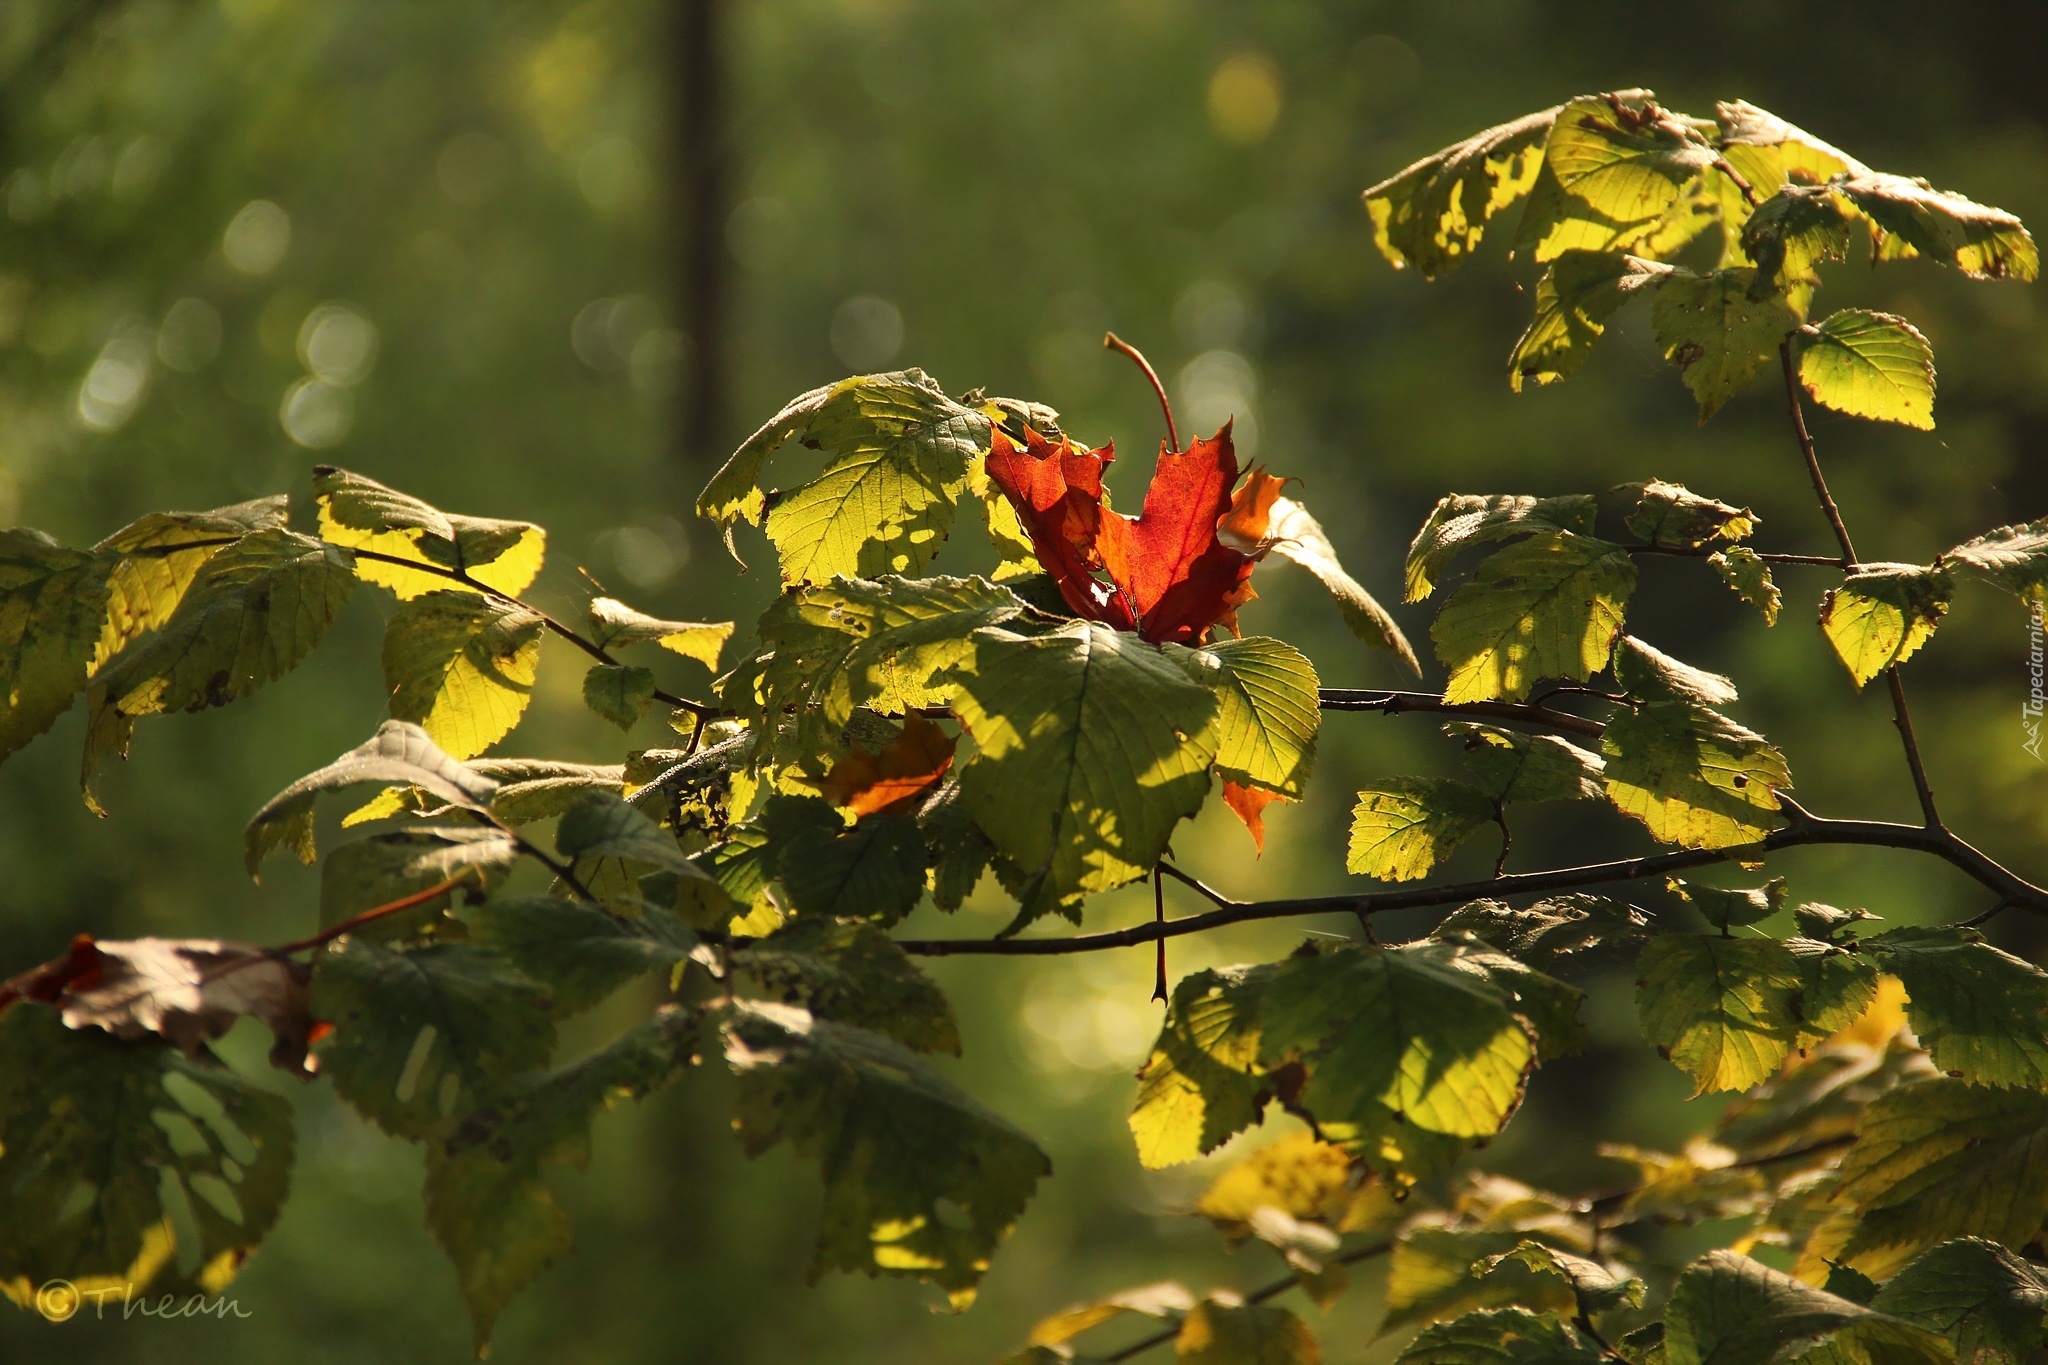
(443, 244)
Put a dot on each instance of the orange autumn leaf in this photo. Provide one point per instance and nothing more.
(1247, 526)
(1171, 579)
(911, 765)
(1249, 804)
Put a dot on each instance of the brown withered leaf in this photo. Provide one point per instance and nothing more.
(893, 780)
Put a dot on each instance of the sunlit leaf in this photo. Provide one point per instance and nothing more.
(1983, 242)
(1512, 766)
(1431, 214)
(1614, 169)
(1462, 519)
(461, 666)
(154, 572)
(1724, 1010)
(1882, 613)
(1266, 727)
(1718, 332)
(1199, 1086)
(361, 513)
(614, 623)
(1548, 607)
(1870, 365)
(1292, 533)
(899, 456)
(1670, 514)
(1749, 578)
(1692, 775)
(1576, 296)
(1228, 1331)
(1404, 826)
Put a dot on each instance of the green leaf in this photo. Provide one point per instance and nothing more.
(1749, 578)
(1723, 1010)
(1549, 607)
(1269, 714)
(487, 1204)
(1939, 1159)
(581, 953)
(1729, 1310)
(1431, 214)
(153, 572)
(1982, 1014)
(614, 623)
(1825, 922)
(1220, 1331)
(956, 850)
(1984, 1298)
(1512, 766)
(532, 789)
(1597, 1288)
(620, 693)
(1768, 152)
(1403, 827)
(1716, 330)
(601, 825)
(852, 973)
(1983, 242)
(1092, 747)
(1462, 519)
(1872, 365)
(1014, 556)
(1167, 1301)
(1882, 613)
(1840, 986)
(2012, 557)
(900, 453)
(1614, 170)
(873, 871)
(1199, 1088)
(363, 514)
(1411, 1029)
(253, 613)
(419, 1034)
(1793, 232)
(399, 752)
(1669, 514)
(1650, 674)
(461, 666)
(130, 1166)
(1549, 929)
(1692, 775)
(386, 867)
(1431, 1278)
(1576, 296)
(1292, 533)
(52, 604)
(919, 1178)
(1500, 1336)
(1725, 909)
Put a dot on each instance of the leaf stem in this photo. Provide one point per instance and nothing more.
(1260, 1295)
(1116, 343)
(1394, 703)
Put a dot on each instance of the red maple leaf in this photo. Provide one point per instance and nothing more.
(1170, 578)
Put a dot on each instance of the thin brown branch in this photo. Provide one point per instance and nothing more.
(1804, 831)
(1159, 917)
(1521, 713)
(1820, 483)
(590, 647)
(1703, 551)
(1902, 717)
(1116, 343)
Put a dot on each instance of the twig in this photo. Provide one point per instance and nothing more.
(1159, 917)
(1682, 552)
(1260, 1295)
(1394, 703)
(1116, 343)
(590, 647)
(1804, 831)
(1902, 716)
(1202, 888)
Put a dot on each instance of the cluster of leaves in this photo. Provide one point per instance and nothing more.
(888, 735)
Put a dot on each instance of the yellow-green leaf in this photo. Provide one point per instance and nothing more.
(1227, 1331)
(1692, 775)
(1462, 519)
(1984, 243)
(52, 603)
(1614, 170)
(1717, 332)
(159, 556)
(1403, 827)
(1091, 746)
(1982, 1014)
(1882, 613)
(1512, 766)
(1748, 577)
(1549, 607)
(361, 513)
(1266, 727)
(1431, 214)
(1574, 298)
(1293, 534)
(1199, 1086)
(1724, 1010)
(1870, 365)
(900, 453)
(1669, 514)
(614, 623)
(461, 666)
